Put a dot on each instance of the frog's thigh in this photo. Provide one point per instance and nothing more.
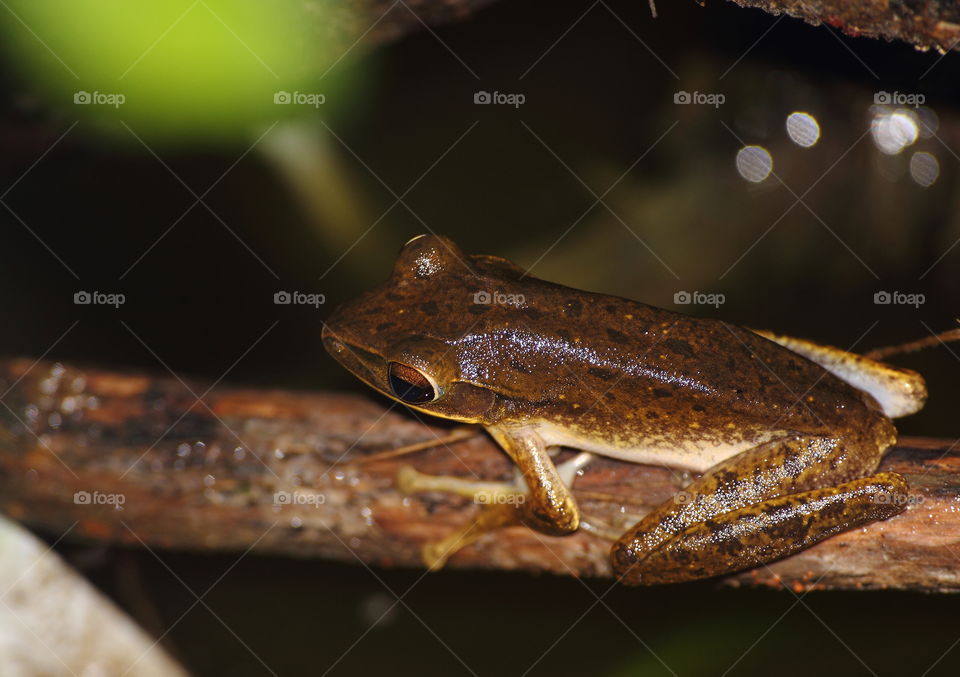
(770, 530)
(815, 484)
(898, 391)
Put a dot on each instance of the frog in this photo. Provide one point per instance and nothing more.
(780, 438)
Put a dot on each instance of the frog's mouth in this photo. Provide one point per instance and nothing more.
(366, 366)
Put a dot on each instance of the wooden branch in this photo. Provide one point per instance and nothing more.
(163, 469)
(924, 23)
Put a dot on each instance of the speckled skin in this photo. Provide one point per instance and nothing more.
(543, 365)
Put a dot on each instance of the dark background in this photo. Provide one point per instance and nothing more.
(597, 100)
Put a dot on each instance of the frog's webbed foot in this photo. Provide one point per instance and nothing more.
(503, 504)
(757, 507)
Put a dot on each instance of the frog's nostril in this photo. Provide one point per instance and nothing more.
(334, 346)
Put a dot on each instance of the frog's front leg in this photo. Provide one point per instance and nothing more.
(759, 506)
(541, 498)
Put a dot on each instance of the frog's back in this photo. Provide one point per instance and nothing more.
(628, 379)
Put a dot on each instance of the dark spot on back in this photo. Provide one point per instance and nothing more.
(385, 325)
(662, 392)
(574, 308)
(679, 347)
(519, 366)
(652, 414)
(477, 308)
(617, 336)
(429, 307)
(532, 313)
(699, 407)
(604, 374)
(393, 297)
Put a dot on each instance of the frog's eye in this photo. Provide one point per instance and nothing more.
(410, 385)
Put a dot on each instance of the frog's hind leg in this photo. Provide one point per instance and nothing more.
(759, 506)
(899, 391)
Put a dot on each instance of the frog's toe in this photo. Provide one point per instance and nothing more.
(406, 480)
(436, 554)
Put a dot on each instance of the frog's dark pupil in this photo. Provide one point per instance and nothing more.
(410, 385)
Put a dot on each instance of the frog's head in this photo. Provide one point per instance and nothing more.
(406, 337)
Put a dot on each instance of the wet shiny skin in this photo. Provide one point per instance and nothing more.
(787, 447)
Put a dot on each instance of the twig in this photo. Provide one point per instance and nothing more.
(287, 468)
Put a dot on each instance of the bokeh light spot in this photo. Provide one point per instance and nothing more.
(803, 129)
(754, 163)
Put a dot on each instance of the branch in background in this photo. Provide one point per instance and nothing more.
(158, 467)
(924, 23)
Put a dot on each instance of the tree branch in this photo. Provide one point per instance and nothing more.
(203, 475)
(923, 23)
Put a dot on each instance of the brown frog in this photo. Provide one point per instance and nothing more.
(787, 434)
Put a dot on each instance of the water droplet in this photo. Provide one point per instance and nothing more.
(68, 405)
(183, 450)
(209, 480)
